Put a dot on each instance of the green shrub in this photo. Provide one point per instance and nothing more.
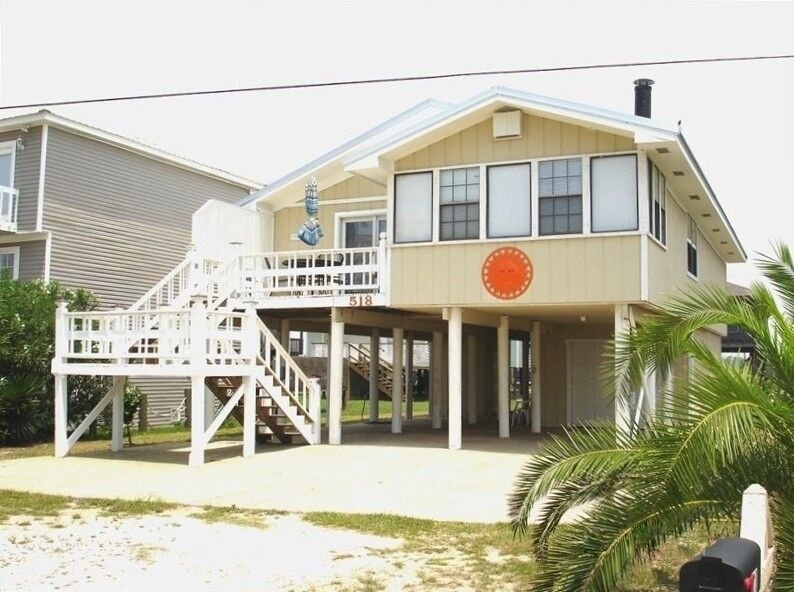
(23, 416)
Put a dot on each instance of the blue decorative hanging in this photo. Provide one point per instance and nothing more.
(311, 232)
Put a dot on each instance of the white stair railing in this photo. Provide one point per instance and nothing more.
(285, 371)
(168, 290)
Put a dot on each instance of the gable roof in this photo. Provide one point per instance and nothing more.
(70, 125)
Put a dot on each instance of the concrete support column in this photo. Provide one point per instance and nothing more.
(374, 364)
(117, 416)
(335, 379)
(471, 378)
(61, 422)
(525, 365)
(503, 376)
(409, 378)
(197, 387)
(455, 364)
(249, 416)
(436, 379)
(536, 376)
(444, 377)
(397, 382)
(622, 411)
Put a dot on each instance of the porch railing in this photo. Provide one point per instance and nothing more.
(9, 205)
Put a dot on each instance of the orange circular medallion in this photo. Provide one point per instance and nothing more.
(507, 273)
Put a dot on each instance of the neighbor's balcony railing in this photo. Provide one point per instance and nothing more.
(9, 204)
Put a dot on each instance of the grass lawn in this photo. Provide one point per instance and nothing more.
(357, 409)
(481, 556)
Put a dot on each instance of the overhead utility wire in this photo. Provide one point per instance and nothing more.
(396, 79)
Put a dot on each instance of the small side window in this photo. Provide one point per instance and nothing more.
(692, 247)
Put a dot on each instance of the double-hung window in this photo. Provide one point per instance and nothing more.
(9, 262)
(413, 207)
(657, 202)
(560, 196)
(509, 203)
(613, 193)
(460, 204)
(691, 247)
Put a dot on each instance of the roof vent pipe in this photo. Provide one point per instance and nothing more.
(642, 97)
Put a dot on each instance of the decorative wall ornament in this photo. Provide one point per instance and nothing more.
(507, 273)
(311, 232)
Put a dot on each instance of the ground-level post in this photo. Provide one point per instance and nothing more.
(471, 379)
(503, 380)
(335, 379)
(197, 387)
(249, 416)
(117, 416)
(455, 365)
(409, 378)
(622, 411)
(436, 381)
(374, 373)
(536, 376)
(61, 421)
(397, 381)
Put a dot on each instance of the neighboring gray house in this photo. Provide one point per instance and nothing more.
(92, 209)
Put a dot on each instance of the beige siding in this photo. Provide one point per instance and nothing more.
(541, 137)
(26, 174)
(667, 267)
(592, 269)
(120, 221)
(288, 220)
(554, 370)
(31, 259)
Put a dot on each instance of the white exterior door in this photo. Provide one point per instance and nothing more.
(585, 401)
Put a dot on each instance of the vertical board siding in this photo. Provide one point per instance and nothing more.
(120, 221)
(352, 187)
(31, 259)
(541, 137)
(584, 269)
(164, 395)
(26, 174)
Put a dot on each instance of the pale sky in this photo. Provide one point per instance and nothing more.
(737, 117)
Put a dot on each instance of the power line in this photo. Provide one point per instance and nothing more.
(221, 91)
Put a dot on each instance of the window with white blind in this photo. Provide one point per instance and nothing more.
(509, 200)
(560, 196)
(657, 203)
(9, 262)
(459, 203)
(413, 207)
(613, 193)
(7, 157)
(691, 247)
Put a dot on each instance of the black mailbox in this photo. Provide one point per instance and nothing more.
(729, 565)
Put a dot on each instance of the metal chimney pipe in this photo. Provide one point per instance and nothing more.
(642, 97)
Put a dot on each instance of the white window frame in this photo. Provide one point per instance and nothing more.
(15, 252)
(353, 216)
(11, 148)
(693, 241)
(438, 205)
(661, 196)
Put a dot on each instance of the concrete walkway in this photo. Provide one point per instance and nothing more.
(412, 474)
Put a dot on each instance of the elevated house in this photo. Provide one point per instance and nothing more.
(93, 209)
(507, 217)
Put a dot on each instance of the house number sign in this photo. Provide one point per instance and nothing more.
(507, 273)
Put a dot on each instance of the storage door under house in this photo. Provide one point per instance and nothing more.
(586, 403)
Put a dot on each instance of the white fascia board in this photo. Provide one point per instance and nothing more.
(88, 131)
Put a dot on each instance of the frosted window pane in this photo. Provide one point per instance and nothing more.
(459, 193)
(575, 166)
(446, 194)
(545, 169)
(413, 199)
(546, 187)
(614, 193)
(574, 185)
(473, 175)
(509, 200)
(446, 214)
(560, 186)
(546, 207)
(560, 168)
(446, 178)
(459, 176)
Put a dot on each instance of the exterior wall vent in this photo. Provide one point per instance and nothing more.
(507, 124)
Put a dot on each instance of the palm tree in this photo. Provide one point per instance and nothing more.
(724, 427)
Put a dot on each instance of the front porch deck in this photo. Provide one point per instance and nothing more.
(375, 472)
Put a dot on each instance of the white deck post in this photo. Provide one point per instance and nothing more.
(61, 390)
(455, 365)
(117, 421)
(536, 373)
(374, 371)
(315, 409)
(436, 381)
(397, 381)
(503, 361)
(249, 383)
(409, 378)
(622, 410)
(471, 379)
(525, 400)
(756, 526)
(198, 361)
(335, 379)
